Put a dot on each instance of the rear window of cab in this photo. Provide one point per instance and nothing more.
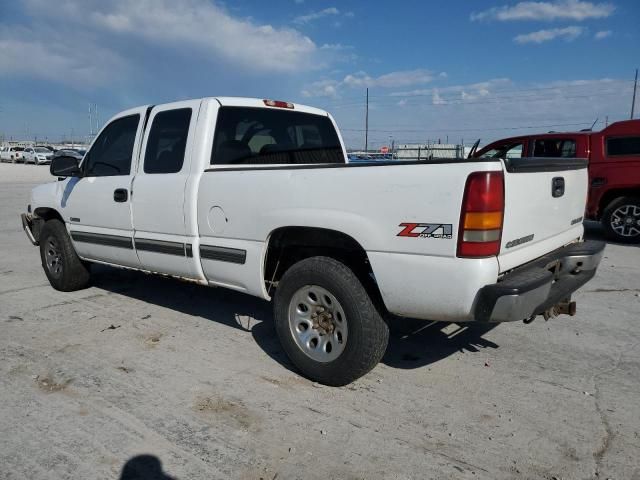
(266, 136)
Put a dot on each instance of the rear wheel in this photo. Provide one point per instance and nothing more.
(621, 220)
(326, 322)
(61, 264)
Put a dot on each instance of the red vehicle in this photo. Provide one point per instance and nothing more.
(614, 170)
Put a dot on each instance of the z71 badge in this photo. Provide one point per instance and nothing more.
(426, 230)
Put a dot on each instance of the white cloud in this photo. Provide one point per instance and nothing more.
(403, 78)
(194, 26)
(567, 33)
(508, 109)
(457, 92)
(436, 99)
(602, 34)
(576, 10)
(23, 52)
(310, 17)
(322, 88)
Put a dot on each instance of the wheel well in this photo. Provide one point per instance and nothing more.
(42, 215)
(48, 214)
(289, 245)
(611, 195)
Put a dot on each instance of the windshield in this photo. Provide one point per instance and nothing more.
(265, 136)
(41, 150)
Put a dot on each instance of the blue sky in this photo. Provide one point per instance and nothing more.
(457, 69)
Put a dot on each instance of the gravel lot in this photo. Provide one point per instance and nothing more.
(194, 378)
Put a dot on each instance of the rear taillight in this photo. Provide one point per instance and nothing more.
(482, 214)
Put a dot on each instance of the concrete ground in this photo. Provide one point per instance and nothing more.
(146, 374)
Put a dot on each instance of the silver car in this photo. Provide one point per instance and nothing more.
(37, 155)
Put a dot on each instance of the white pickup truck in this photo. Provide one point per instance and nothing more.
(256, 195)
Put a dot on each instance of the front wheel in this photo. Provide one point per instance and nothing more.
(327, 323)
(61, 264)
(621, 220)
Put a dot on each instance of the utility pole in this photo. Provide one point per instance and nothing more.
(635, 87)
(366, 124)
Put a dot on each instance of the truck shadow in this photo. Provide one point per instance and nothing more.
(412, 343)
(417, 343)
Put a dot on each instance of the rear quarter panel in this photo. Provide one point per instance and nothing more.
(239, 208)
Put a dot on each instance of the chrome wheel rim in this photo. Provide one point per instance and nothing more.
(318, 323)
(625, 220)
(53, 257)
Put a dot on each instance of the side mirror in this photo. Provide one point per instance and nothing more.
(65, 167)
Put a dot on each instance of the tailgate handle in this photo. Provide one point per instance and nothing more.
(557, 187)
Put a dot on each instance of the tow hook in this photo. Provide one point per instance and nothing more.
(562, 308)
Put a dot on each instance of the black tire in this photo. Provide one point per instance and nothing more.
(64, 269)
(368, 334)
(611, 215)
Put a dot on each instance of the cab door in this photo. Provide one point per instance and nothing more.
(162, 241)
(97, 205)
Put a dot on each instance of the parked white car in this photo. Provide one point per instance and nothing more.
(12, 154)
(256, 196)
(37, 155)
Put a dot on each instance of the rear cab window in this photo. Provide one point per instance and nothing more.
(554, 147)
(265, 136)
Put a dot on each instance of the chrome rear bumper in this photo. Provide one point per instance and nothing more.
(537, 287)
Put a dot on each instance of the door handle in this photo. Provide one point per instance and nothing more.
(120, 195)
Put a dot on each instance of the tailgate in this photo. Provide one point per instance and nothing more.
(544, 207)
